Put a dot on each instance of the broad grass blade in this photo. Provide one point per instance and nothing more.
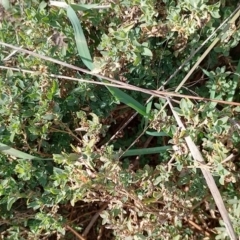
(18, 154)
(146, 151)
(157, 134)
(84, 7)
(85, 55)
(80, 39)
(128, 100)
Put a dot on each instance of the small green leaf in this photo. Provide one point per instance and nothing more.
(10, 202)
(157, 181)
(222, 121)
(147, 52)
(214, 9)
(183, 104)
(48, 116)
(194, 3)
(120, 35)
(23, 170)
(58, 171)
(33, 205)
(179, 167)
(208, 74)
(42, 5)
(221, 180)
(128, 27)
(177, 237)
(9, 73)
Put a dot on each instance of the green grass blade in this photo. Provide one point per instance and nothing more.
(19, 154)
(235, 81)
(157, 134)
(146, 151)
(84, 53)
(128, 100)
(237, 73)
(80, 39)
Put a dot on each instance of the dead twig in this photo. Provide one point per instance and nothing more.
(197, 156)
(155, 93)
(75, 233)
(94, 219)
(195, 225)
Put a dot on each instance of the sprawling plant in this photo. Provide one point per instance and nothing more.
(66, 170)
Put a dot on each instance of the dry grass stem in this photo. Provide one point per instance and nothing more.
(197, 156)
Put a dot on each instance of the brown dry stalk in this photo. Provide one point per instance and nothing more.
(75, 233)
(94, 219)
(120, 84)
(197, 156)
